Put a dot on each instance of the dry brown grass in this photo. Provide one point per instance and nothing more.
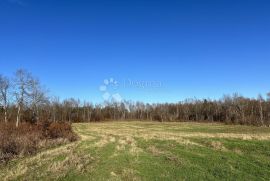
(157, 131)
(154, 151)
(218, 146)
(44, 157)
(124, 134)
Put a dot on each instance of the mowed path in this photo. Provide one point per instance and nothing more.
(151, 151)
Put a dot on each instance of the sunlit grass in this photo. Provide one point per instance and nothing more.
(151, 151)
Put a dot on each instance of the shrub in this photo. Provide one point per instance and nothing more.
(27, 138)
(16, 141)
(61, 130)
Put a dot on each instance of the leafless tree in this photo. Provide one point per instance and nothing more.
(260, 101)
(55, 105)
(32, 98)
(37, 96)
(4, 87)
(268, 96)
(22, 91)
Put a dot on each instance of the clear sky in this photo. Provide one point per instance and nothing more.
(156, 50)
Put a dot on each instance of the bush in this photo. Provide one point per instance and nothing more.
(16, 141)
(61, 130)
(27, 138)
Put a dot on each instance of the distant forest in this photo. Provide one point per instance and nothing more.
(23, 99)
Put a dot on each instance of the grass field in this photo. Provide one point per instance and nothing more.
(151, 151)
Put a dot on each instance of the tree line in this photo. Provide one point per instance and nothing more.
(24, 99)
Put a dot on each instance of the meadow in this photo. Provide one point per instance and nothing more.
(137, 150)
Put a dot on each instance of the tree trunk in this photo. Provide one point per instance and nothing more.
(18, 116)
(5, 109)
(261, 113)
(54, 116)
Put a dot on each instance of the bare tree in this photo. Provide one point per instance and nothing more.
(268, 96)
(260, 101)
(89, 111)
(55, 104)
(4, 86)
(37, 96)
(22, 91)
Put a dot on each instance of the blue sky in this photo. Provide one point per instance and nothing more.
(193, 48)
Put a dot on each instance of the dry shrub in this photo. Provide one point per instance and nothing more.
(17, 141)
(61, 130)
(27, 138)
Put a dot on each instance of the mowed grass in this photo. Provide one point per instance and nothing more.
(151, 151)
